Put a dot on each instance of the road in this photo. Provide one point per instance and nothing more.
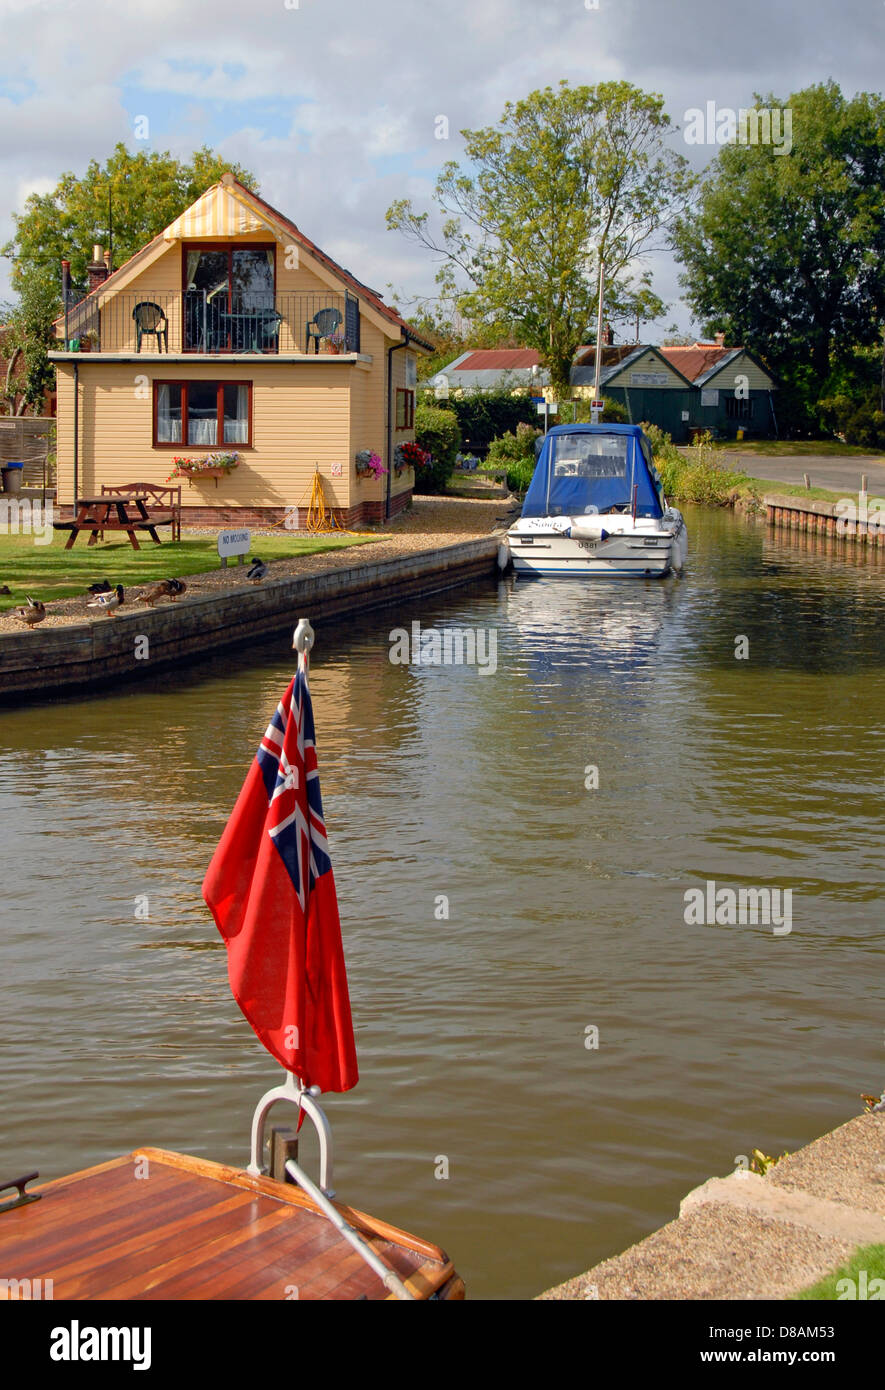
(841, 475)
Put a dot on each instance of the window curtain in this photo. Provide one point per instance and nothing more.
(193, 260)
(202, 431)
(236, 431)
(168, 425)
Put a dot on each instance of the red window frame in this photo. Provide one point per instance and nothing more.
(406, 400)
(230, 247)
(201, 381)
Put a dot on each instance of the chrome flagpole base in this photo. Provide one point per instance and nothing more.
(305, 1098)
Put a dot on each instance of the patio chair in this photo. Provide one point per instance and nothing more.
(270, 325)
(324, 323)
(150, 320)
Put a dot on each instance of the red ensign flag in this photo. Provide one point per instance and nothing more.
(272, 893)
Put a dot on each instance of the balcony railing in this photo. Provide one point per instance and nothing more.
(159, 322)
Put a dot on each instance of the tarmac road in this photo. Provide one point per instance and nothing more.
(841, 475)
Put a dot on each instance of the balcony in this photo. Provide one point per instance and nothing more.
(158, 322)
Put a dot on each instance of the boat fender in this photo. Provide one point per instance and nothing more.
(504, 556)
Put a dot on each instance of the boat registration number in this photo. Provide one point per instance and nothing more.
(588, 545)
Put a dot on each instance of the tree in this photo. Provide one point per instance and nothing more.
(133, 195)
(28, 339)
(565, 177)
(439, 321)
(785, 252)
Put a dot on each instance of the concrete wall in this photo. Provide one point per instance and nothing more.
(67, 659)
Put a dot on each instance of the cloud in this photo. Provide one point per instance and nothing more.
(332, 103)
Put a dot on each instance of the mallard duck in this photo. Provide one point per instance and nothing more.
(101, 586)
(106, 603)
(258, 571)
(164, 588)
(33, 614)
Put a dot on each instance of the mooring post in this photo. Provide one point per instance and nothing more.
(283, 1146)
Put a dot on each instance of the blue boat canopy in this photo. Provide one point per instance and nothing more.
(583, 469)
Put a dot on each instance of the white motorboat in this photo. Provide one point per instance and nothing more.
(595, 508)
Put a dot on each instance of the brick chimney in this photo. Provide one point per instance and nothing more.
(720, 339)
(608, 336)
(98, 268)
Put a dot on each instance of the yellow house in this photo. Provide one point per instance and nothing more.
(231, 332)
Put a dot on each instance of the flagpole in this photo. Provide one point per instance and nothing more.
(303, 639)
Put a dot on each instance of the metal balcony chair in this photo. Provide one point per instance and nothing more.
(324, 323)
(270, 324)
(151, 321)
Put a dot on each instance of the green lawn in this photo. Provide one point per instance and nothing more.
(791, 448)
(869, 1258)
(764, 485)
(50, 572)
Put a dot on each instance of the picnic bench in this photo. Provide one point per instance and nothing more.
(112, 512)
(167, 499)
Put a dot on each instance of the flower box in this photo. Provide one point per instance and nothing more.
(369, 465)
(214, 466)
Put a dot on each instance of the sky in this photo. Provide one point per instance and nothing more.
(334, 105)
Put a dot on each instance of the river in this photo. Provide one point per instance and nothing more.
(490, 1116)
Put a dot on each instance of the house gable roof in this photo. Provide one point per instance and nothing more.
(230, 209)
(498, 359)
(623, 356)
(698, 359)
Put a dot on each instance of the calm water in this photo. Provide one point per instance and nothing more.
(566, 904)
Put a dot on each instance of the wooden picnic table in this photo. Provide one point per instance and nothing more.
(97, 514)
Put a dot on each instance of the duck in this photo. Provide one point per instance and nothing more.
(106, 603)
(5, 589)
(258, 571)
(164, 588)
(33, 614)
(101, 586)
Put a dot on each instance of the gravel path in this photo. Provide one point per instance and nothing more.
(430, 522)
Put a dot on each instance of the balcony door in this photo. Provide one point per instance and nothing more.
(229, 299)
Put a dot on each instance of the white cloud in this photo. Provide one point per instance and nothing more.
(324, 100)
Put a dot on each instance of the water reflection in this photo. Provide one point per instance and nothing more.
(565, 906)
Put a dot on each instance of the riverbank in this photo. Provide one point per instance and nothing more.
(431, 521)
(751, 1237)
(441, 544)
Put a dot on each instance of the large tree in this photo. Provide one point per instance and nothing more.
(566, 177)
(785, 251)
(29, 337)
(133, 195)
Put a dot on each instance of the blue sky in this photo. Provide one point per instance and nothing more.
(332, 103)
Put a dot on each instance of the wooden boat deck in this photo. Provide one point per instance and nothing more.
(192, 1229)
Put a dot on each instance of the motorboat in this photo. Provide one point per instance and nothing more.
(596, 508)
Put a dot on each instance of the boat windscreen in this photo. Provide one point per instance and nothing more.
(581, 473)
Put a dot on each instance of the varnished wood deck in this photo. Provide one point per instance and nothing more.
(192, 1229)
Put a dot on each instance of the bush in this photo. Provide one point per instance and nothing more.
(514, 453)
(697, 476)
(858, 422)
(613, 414)
(485, 415)
(438, 433)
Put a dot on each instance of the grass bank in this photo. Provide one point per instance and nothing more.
(701, 473)
(852, 1280)
(796, 448)
(50, 572)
